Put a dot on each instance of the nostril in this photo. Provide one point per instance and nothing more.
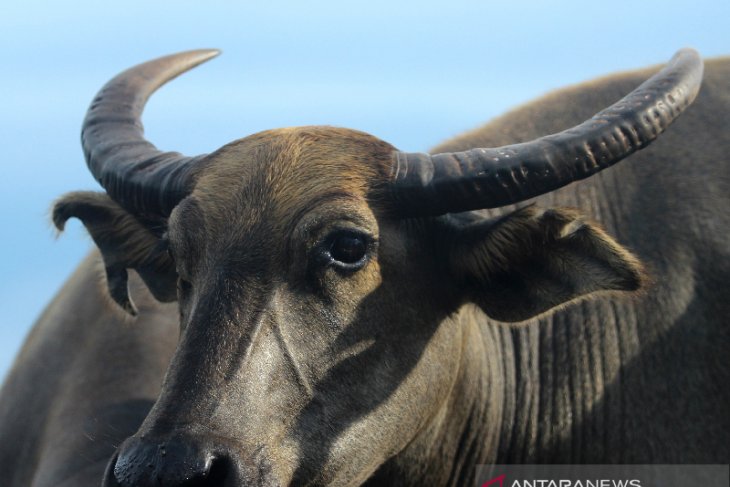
(216, 475)
(219, 472)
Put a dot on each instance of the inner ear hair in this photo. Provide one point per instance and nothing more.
(125, 242)
(533, 259)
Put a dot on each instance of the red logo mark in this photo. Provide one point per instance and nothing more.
(494, 481)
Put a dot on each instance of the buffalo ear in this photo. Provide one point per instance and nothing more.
(533, 260)
(125, 243)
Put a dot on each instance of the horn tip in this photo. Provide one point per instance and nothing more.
(689, 55)
(208, 53)
(691, 51)
(198, 56)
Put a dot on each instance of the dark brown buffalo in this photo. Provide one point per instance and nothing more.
(336, 312)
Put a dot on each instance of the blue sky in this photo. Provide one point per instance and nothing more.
(412, 73)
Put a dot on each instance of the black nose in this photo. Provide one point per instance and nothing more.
(178, 462)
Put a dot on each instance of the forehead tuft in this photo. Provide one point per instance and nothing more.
(286, 170)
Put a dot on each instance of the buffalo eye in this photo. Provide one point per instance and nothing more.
(348, 250)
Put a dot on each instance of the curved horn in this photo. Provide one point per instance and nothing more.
(134, 172)
(425, 184)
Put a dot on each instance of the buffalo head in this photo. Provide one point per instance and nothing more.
(323, 285)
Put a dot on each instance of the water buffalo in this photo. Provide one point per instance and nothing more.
(310, 306)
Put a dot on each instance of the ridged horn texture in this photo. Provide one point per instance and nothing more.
(135, 174)
(424, 184)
